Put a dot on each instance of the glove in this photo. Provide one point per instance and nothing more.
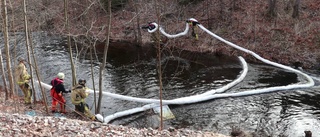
(67, 91)
(27, 76)
(26, 81)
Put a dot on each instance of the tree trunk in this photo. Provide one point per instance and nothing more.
(296, 6)
(159, 69)
(74, 79)
(16, 106)
(103, 65)
(272, 8)
(27, 46)
(233, 5)
(92, 76)
(3, 77)
(221, 16)
(44, 97)
(139, 36)
(208, 13)
(6, 42)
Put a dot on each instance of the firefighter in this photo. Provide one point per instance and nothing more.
(22, 78)
(193, 23)
(56, 93)
(78, 95)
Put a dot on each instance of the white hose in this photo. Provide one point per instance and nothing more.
(182, 100)
(155, 102)
(209, 95)
(166, 34)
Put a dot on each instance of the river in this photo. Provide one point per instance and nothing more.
(133, 72)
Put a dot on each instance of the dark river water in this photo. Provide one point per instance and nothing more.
(133, 72)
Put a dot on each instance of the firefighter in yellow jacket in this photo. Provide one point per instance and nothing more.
(78, 95)
(22, 78)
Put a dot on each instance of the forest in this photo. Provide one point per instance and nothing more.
(282, 31)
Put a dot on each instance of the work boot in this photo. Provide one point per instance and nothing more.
(27, 103)
(63, 109)
(93, 118)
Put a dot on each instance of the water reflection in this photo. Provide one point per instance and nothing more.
(273, 114)
(300, 111)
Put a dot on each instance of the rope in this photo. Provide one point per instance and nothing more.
(73, 110)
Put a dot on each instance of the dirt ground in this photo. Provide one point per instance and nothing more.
(15, 114)
(17, 105)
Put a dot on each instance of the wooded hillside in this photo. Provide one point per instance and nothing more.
(286, 31)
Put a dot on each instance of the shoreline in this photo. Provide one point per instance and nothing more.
(24, 125)
(18, 119)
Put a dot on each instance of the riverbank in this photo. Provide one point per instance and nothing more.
(18, 119)
(280, 37)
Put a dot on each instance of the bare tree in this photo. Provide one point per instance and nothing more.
(74, 79)
(92, 76)
(15, 48)
(38, 75)
(138, 37)
(3, 77)
(6, 42)
(208, 13)
(27, 46)
(296, 6)
(221, 10)
(159, 69)
(103, 65)
(272, 8)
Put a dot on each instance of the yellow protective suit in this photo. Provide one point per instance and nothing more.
(78, 95)
(22, 78)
